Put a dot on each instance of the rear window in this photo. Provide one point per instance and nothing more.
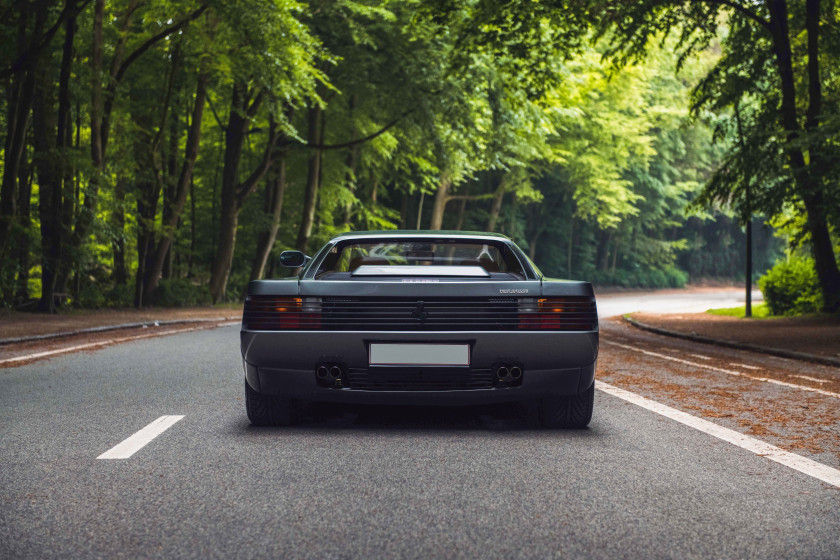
(348, 256)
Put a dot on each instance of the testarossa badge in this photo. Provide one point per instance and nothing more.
(513, 291)
(419, 280)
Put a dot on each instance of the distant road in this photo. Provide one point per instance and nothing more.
(380, 482)
(672, 301)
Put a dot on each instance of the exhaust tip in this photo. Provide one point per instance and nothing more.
(516, 372)
(335, 372)
(502, 372)
(322, 372)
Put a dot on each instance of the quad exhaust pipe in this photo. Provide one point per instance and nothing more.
(509, 375)
(329, 375)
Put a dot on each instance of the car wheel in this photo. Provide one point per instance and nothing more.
(267, 410)
(568, 412)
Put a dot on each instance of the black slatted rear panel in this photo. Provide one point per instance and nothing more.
(419, 379)
(570, 313)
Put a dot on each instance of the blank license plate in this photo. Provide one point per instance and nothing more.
(420, 354)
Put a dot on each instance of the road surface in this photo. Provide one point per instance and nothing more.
(379, 482)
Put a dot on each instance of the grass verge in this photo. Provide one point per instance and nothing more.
(759, 311)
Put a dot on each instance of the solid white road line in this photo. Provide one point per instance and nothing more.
(133, 444)
(802, 464)
(90, 345)
(721, 370)
(811, 378)
(744, 366)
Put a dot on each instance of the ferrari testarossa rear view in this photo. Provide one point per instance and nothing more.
(420, 317)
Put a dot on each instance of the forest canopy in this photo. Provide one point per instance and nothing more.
(165, 152)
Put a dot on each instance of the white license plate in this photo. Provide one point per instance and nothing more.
(419, 354)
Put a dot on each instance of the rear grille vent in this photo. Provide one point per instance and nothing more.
(421, 379)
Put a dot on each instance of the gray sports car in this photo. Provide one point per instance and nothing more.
(419, 317)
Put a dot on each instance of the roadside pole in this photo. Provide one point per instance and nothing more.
(748, 220)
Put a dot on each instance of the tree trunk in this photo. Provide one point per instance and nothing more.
(496, 206)
(182, 187)
(420, 209)
(235, 132)
(310, 197)
(571, 246)
(192, 230)
(603, 250)
(615, 255)
(806, 175)
(441, 198)
(404, 211)
(274, 191)
(49, 185)
(352, 161)
(146, 210)
(244, 106)
(119, 274)
(23, 246)
(462, 208)
(19, 105)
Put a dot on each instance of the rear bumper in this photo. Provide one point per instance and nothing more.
(554, 363)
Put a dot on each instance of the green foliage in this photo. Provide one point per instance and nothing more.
(510, 109)
(91, 297)
(181, 292)
(120, 295)
(668, 277)
(791, 287)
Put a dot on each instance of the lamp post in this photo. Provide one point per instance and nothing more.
(748, 213)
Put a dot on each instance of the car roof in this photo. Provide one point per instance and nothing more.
(420, 233)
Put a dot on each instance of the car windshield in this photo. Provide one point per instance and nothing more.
(350, 255)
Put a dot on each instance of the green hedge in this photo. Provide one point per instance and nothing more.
(791, 287)
(181, 292)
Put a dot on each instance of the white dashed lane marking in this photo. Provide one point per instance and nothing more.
(797, 462)
(139, 440)
(701, 356)
(722, 370)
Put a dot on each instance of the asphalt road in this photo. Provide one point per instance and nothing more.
(370, 482)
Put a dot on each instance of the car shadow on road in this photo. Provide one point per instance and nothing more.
(502, 417)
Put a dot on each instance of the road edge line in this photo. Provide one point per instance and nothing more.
(789, 354)
(9, 362)
(723, 370)
(796, 462)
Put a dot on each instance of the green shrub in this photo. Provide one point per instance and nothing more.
(676, 278)
(120, 296)
(91, 296)
(791, 287)
(180, 292)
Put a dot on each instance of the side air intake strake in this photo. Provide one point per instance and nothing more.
(570, 313)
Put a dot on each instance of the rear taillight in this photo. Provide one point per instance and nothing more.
(270, 313)
(559, 313)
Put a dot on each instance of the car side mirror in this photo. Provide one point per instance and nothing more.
(293, 259)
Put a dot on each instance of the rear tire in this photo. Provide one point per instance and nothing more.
(568, 412)
(267, 410)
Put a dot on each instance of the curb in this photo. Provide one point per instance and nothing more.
(790, 354)
(106, 328)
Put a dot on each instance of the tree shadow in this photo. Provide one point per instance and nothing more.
(498, 417)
